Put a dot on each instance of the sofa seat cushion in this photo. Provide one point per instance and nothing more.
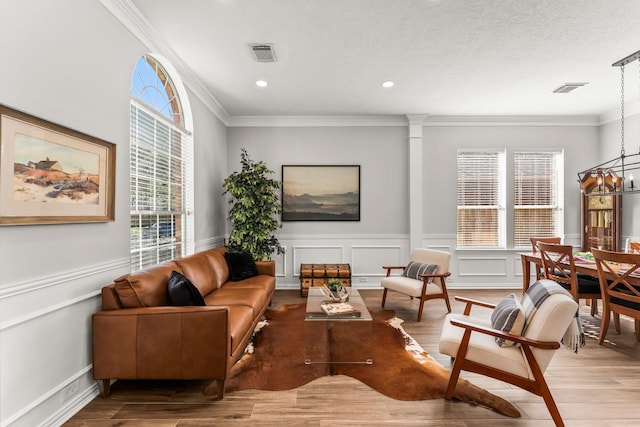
(145, 288)
(267, 283)
(482, 347)
(409, 286)
(240, 322)
(256, 299)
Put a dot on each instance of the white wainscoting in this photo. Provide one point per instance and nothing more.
(368, 253)
(45, 330)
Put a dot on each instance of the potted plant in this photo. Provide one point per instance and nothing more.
(254, 209)
(337, 290)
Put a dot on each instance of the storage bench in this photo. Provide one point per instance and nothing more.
(319, 274)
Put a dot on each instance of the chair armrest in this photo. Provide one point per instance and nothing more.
(433, 276)
(545, 345)
(393, 267)
(471, 302)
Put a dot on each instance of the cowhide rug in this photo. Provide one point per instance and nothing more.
(401, 370)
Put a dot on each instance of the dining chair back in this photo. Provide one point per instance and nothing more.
(634, 247)
(534, 247)
(559, 265)
(619, 275)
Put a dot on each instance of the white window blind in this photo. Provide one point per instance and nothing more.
(160, 161)
(537, 201)
(481, 198)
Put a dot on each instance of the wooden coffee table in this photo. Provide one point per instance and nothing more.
(337, 338)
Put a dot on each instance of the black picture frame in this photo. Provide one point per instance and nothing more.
(320, 193)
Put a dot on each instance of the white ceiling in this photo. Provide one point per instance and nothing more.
(446, 57)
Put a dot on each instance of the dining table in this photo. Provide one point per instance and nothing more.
(583, 265)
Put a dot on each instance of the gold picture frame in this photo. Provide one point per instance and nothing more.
(50, 174)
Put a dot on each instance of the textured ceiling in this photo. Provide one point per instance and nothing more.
(447, 57)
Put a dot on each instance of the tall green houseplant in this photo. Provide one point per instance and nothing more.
(254, 209)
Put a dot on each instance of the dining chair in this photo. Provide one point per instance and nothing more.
(619, 275)
(634, 247)
(559, 265)
(534, 247)
(424, 277)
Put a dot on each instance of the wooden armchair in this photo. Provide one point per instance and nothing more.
(619, 275)
(471, 342)
(423, 278)
(558, 265)
(534, 247)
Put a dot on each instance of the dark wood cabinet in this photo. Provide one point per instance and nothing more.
(601, 220)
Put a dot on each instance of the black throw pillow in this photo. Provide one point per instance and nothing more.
(241, 265)
(182, 291)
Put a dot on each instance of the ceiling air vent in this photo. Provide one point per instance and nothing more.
(568, 87)
(263, 52)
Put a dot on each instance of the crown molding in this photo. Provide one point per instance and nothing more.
(319, 121)
(424, 119)
(511, 121)
(126, 12)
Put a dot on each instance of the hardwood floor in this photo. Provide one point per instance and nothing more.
(599, 386)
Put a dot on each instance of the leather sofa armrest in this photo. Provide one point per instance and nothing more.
(161, 343)
(267, 268)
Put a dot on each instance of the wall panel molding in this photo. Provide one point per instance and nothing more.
(367, 260)
(53, 308)
(316, 254)
(63, 278)
(482, 266)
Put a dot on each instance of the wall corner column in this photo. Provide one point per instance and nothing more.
(416, 185)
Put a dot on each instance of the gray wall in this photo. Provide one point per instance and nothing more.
(382, 235)
(70, 62)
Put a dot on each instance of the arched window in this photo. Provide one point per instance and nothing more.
(161, 155)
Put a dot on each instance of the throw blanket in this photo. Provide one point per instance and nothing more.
(535, 296)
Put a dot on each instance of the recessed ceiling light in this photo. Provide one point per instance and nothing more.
(261, 83)
(387, 84)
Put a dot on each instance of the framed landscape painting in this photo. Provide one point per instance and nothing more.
(320, 193)
(51, 174)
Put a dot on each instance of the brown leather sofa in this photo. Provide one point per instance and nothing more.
(139, 335)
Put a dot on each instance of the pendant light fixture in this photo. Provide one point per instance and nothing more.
(617, 175)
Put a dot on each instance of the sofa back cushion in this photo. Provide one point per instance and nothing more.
(145, 288)
(218, 265)
(207, 270)
(199, 270)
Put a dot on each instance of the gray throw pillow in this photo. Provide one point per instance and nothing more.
(414, 269)
(508, 316)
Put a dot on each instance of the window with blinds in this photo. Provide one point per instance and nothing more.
(160, 168)
(481, 198)
(537, 202)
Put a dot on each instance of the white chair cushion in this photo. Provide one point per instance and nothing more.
(409, 286)
(482, 347)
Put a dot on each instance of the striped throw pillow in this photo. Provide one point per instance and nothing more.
(508, 316)
(414, 269)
